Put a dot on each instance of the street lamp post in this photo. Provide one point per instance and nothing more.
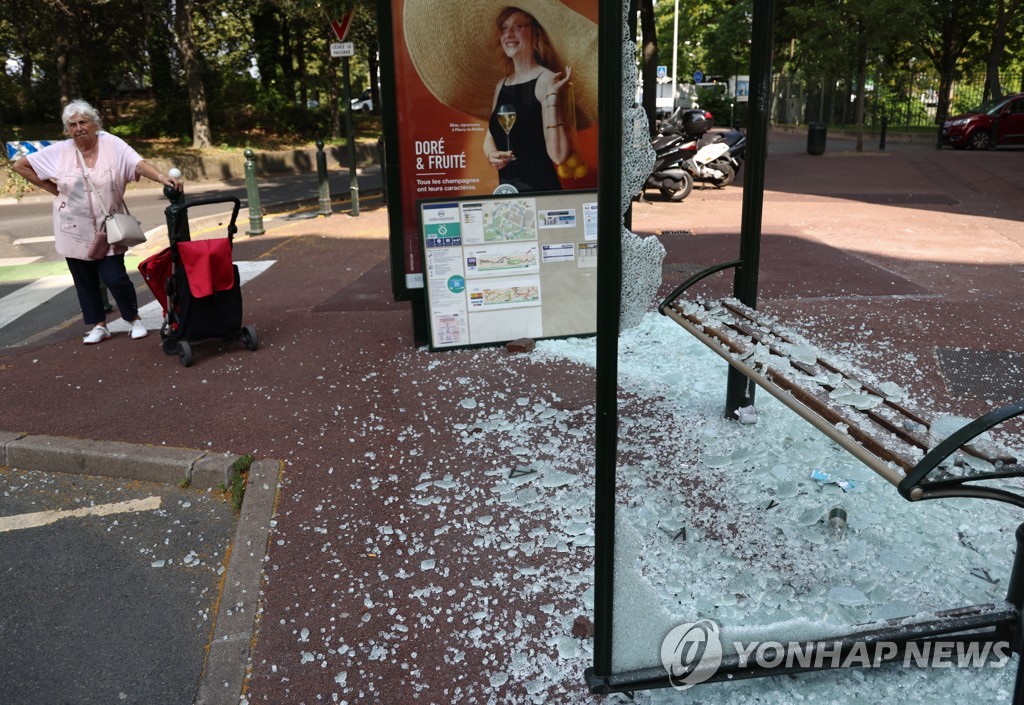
(675, 56)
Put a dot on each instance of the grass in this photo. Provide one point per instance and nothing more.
(235, 488)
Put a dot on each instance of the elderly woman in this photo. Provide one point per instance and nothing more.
(529, 131)
(61, 169)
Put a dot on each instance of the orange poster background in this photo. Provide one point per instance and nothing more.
(422, 120)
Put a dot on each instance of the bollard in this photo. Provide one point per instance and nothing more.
(881, 139)
(354, 190)
(325, 187)
(938, 138)
(253, 191)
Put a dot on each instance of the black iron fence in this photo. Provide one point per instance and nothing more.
(906, 101)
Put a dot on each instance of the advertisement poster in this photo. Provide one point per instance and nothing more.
(491, 102)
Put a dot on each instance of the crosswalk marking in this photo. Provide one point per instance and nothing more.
(35, 519)
(17, 261)
(28, 297)
(20, 302)
(33, 240)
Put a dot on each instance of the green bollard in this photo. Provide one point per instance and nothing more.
(325, 187)
(253, 190)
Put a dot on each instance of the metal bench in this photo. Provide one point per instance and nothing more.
(872, 424)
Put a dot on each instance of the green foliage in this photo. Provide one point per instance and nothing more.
(236, 484)
(262, 63)
(12, 185)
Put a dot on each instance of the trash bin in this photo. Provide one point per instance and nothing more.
(817, 132)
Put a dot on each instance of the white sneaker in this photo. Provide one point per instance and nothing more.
(139, 329)
(96, 335)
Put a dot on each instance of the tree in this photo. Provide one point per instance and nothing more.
(948, 28)
(1008, 13)
(183, 24)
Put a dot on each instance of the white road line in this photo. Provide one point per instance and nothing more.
(33, 240)
(18, 303)
(36, 519)
(153, 316)
(15, 261)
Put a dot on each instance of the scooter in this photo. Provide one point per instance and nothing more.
(737, 141)
(668, 175)
(712, 163)
(711, 158)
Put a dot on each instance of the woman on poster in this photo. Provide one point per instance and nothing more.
(527, 67)
(528, 117)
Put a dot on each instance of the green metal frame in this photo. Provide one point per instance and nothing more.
(609, 297)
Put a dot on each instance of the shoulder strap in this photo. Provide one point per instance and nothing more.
(88, 183)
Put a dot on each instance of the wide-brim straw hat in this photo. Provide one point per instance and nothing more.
(451, 43)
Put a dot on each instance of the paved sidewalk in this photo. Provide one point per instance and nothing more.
(394, 574)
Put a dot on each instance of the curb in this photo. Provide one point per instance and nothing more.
(235, 627)
(128, 461)
(226, 664)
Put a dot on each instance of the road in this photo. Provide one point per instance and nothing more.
(36, 293)
(117, 586)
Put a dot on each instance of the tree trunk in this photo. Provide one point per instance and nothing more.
(300, 63)
(998, 47)
(63, 75)
(201, 136)
(332, 91)
(649, 64)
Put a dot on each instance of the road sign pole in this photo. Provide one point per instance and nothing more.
(353, 179)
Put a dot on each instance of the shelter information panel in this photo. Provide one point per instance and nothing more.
(499, 268)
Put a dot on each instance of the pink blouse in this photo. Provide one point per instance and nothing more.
(77, 216)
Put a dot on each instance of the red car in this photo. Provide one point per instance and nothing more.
(994, 122)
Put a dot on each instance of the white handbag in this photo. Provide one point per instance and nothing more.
(121, 228)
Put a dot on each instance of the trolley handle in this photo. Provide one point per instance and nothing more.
(232, 228)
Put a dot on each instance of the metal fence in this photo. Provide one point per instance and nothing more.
(907, 101)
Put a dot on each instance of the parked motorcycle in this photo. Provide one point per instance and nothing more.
(711, 163)
(710, 158)
(671, 147)
(737, 141)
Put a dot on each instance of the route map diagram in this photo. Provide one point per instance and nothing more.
(510, 220)
(508, 260)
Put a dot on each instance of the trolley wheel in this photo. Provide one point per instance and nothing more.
(250, 338)
(184, 353)
(170, 346)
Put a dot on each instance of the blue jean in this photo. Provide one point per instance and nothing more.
(86, 275)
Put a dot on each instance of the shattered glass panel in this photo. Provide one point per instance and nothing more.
(641, 257)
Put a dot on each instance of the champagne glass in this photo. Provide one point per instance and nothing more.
(507, 118)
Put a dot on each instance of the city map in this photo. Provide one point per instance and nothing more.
(510, 220)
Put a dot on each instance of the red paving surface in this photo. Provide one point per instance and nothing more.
(883, 257)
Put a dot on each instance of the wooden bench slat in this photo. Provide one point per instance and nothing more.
(890, 438)
(731, 349)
